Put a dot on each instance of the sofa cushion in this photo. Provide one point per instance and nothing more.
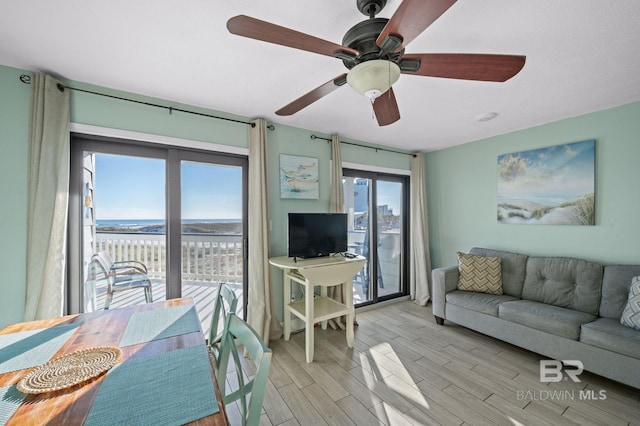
(564, 282)
(607, 333)
(631, 314)
(479, 273)
(548, 318)
(513, 268)
(615, 289)
(479, 302)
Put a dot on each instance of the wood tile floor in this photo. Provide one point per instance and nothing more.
(406, 370)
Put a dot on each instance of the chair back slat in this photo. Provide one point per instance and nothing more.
(101, 260)
(238, 330)
(226, 301)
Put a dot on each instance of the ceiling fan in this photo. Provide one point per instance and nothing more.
(373, 52)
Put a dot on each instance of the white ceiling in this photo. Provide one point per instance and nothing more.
(582, 56)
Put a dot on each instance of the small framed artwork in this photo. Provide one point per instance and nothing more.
(548, 186)
(299, 177)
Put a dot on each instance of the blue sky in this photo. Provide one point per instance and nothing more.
(561, 171)
(389, 194)
(134, 188)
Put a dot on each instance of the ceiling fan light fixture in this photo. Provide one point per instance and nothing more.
(373, 78)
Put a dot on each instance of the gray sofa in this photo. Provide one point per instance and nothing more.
(563, 308)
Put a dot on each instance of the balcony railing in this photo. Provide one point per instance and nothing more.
(205, 257)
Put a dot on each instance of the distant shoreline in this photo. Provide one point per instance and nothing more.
(219, 228)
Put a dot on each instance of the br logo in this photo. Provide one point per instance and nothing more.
(556, 371)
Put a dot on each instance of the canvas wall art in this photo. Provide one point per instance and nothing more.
(298, 177)
(550, 186)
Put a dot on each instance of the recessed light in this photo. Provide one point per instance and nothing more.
(486, 117)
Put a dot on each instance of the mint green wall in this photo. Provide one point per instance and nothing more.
(118, 114)
(461, 185)
(14, 116)
(112, 113)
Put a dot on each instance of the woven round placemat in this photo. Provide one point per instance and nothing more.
(69, 370)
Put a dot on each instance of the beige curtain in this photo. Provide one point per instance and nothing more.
(260, 301)
(420, 260)
(336, 201)
(336, 205)
(47, 197)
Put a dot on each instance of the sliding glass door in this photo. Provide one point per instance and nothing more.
(378, 220)
(212, 228)
(180, 213)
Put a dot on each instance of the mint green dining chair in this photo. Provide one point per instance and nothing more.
(249, 393)
(226, 301)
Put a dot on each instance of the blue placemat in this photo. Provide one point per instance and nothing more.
(171, 388)
(160, 324)
(31, 348)
(10, 399)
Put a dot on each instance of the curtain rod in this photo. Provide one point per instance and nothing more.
(27, 80)
(363, 146)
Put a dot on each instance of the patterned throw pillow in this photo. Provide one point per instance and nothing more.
(631, 314)
(482, 274)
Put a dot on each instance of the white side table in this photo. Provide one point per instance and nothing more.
(324, 272)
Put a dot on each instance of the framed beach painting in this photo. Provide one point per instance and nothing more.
(298, 177)
(549, 186)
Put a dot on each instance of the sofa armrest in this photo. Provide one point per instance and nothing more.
(444, 280)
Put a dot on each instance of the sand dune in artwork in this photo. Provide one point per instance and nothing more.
(580, 211)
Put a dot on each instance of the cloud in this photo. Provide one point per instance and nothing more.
(570, 152)
(511, 166)
(543, 156)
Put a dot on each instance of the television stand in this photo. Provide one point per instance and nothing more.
(324, 272)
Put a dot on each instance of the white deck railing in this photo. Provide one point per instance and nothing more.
(215, 258)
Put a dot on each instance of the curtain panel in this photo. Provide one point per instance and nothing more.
(420, 259)
(47, 197)
(336, 199)
(260, 306)
(336, 205)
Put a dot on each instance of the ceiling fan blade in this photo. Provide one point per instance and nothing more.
(466, 66)
(260, 30)
(386, 108)
(413, 17)
(309, 98)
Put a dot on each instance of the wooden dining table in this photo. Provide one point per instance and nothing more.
(151, 363)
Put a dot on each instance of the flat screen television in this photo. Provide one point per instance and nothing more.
(317, 234)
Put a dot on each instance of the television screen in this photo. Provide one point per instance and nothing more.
(317, 234)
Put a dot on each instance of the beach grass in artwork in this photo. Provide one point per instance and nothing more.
(551, 186)
(298, 177)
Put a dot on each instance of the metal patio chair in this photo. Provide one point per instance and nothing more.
(122, 276)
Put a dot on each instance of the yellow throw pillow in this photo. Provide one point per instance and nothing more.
(481, 274)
